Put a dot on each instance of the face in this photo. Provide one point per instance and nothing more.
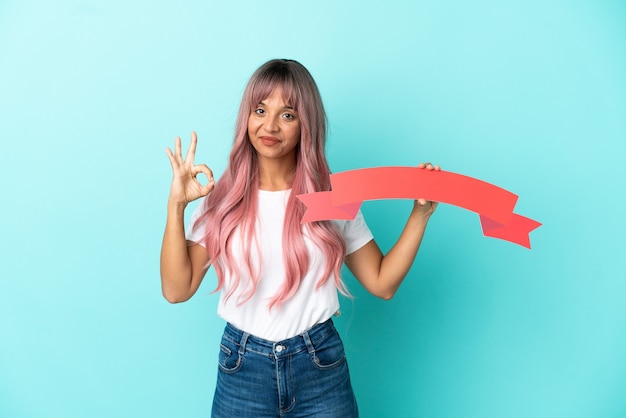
(274, 129)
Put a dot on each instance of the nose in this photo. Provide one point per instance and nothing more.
(271, 124)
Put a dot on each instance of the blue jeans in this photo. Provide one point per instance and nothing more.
(304, 376)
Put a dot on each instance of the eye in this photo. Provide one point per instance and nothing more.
(289, 116)
(259, 111)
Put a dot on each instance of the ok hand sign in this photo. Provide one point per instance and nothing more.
(185, 185)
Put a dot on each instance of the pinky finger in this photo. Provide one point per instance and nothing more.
(170, 155)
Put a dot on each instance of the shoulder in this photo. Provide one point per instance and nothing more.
(355, 232)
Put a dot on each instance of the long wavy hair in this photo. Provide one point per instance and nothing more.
(232, 206)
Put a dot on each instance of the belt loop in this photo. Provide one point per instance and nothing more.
(309, 344)
(243, 342)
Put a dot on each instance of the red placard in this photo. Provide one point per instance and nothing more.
(350, 188)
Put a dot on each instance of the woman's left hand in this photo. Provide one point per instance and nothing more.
(422, 206)
(382, 274)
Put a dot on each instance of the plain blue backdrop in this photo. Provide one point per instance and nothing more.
(529, 95)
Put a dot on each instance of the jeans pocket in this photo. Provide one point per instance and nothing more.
(329, 352)
(229, 360)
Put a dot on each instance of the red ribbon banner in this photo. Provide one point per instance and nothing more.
(493, 204)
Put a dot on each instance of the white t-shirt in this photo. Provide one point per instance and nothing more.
(308, 306)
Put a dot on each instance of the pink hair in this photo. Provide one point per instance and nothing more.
(232, 205)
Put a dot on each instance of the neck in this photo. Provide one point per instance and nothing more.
(274, 175)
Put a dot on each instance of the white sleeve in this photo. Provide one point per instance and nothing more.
(355, 233)
(195, 232)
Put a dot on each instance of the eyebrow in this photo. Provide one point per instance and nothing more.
(284, 107)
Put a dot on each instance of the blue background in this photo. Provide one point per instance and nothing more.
(529, 95)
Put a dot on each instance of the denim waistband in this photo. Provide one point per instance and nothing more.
(299, 343)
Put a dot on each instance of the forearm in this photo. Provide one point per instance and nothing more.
(176, 270)
(381, 274)
(397, 262)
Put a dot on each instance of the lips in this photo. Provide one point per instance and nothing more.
(269, 141)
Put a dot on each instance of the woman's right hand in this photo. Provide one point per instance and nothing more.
(185, 185)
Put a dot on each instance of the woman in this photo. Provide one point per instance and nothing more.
(280, 354)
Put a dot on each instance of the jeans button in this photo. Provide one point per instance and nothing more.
(280, 348)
